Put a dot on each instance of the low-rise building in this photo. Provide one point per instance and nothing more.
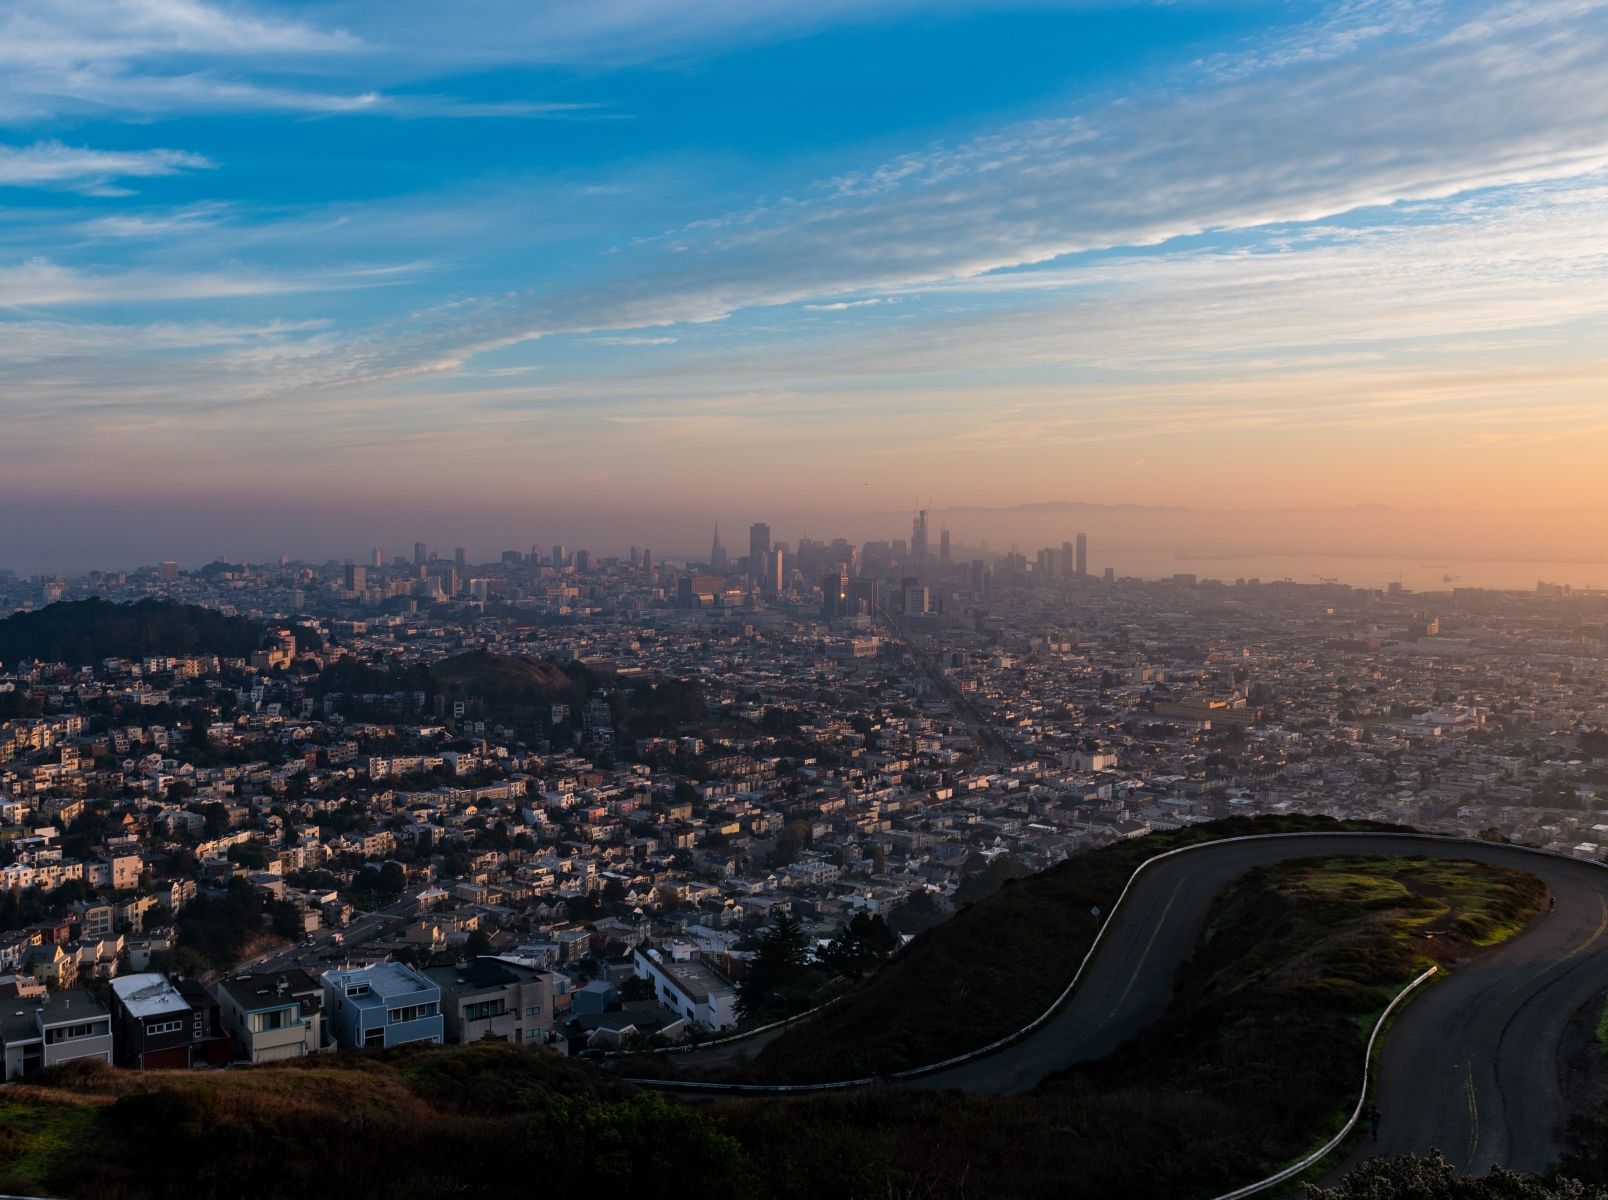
(273, 1015)
(53, 1028)
(494, 998)
(388, 1004)
(688, 986)
(157, 1027)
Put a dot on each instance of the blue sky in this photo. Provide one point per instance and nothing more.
(414, 259)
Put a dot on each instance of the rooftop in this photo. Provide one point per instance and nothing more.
(383, 981)
(262, 990)
(148, 995)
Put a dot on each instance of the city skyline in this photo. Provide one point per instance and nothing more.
(301, 265)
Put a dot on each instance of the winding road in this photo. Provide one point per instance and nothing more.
(1471, 1068)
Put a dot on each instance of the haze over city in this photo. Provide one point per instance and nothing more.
(804, 599)
(285, 278)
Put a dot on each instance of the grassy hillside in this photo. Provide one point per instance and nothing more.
(484, 1120)
(1248, 1068)
(989, 969)
(84, 631)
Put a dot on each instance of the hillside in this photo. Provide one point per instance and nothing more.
(501, 679)
(1184, 1111)
(962, 984)
(81, 632)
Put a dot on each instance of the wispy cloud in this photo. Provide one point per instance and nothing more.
(54, 165)
(841, 305)
(41, 284)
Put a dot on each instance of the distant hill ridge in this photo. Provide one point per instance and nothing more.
(81, 632)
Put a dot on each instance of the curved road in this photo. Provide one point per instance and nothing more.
(1471, 1068)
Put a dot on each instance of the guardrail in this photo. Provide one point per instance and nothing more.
(1009, 1038)
(1328, 1147)
(1066, 993)
(694, 1047)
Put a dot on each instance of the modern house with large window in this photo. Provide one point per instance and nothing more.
(160, 1025)
(44, 1030)
(274, 1015)
(494, 998)
(388, 1004)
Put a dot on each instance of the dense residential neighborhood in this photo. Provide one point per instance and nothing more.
(557, 800)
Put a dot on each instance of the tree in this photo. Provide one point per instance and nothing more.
(478, 944)
(777, 966)
(285, 919)
(861, 946)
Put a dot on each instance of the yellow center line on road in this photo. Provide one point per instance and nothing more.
(1602, 926)
(1140, 965)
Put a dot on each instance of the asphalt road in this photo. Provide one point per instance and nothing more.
(362, 930)
(1471, 1068)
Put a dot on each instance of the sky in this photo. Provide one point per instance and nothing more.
(305, 277)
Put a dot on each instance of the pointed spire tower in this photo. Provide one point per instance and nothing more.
(717, 552)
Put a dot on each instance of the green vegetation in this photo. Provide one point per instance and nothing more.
(85, 631)
(989, 969)
(780, 979)
(1409, 1178)
(216, 933)
(470, 1121)
(1233, 1079)
(37, 1136)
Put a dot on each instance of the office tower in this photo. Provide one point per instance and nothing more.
(864, 595)
(535, 554)
(560, 557)
(647, 561)
(460, 558)
(1110, 575)
(717, 552)
(583, 561)
(759, 545)
(1081, 568)
(776, 572)
(636, 557)
(1068, 564)
(944, 559)
(421, 554)
(1044, 567)
(917, 599)
(169, 570)
(377, 558)
(918, 537)
(834, 593)
(356, 577)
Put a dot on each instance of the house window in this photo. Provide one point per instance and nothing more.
(413, 1012)
(484, 1010)
(535, 1010)
(278, 1018)
(159, 1027)
(357, 989)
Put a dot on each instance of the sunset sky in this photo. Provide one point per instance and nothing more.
(338, 272)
